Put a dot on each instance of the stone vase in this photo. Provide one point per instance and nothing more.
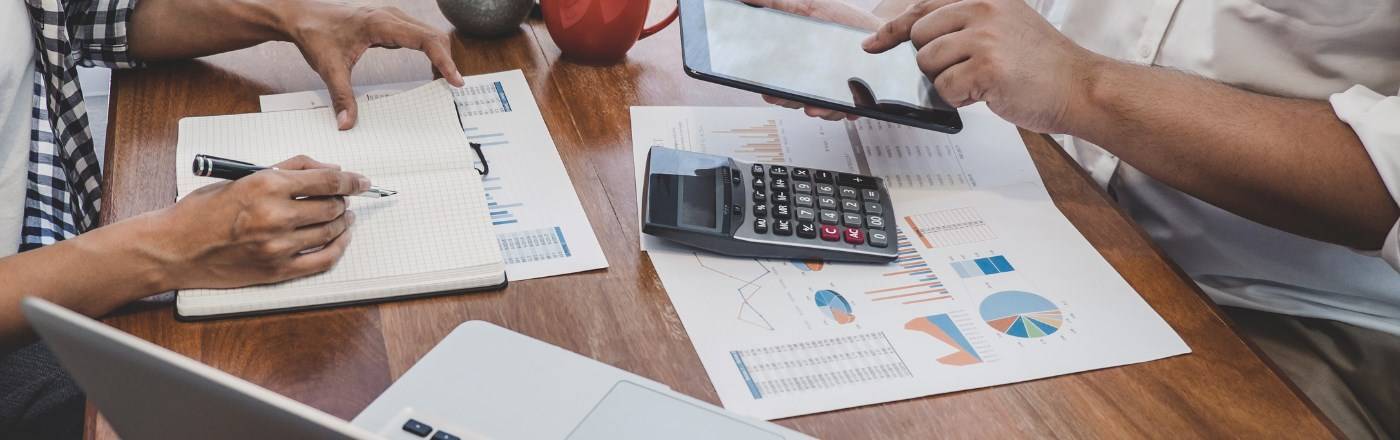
(485, 18)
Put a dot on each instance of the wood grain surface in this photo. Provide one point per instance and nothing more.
(338, 360)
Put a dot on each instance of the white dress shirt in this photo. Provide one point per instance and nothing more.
(16, 103)
(1345, 51)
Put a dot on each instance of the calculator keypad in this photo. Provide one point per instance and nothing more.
(782, 227)
(819, 205)
(879, 238)
(804, 200)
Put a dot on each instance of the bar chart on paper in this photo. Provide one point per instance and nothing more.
(525, 223)
(982, 266)
(910, 280)
(760, 143)
(751, 134)
(949, 228)
(541, 233)
(498, 199)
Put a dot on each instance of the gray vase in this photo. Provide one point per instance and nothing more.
(485, 18)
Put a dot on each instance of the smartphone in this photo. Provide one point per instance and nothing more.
(809, 61)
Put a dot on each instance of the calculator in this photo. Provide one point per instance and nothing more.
(762, 210)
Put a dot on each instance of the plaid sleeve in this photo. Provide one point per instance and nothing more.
(98, 31)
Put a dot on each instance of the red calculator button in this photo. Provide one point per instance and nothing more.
(855, 236)
(831, 233)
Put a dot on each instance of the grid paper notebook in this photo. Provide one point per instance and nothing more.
(434, 236)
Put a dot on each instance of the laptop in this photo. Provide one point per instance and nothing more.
(480, 382)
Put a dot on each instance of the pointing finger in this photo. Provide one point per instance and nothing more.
(337, 80)
(944, 21)
(897, 30)
(402, 30)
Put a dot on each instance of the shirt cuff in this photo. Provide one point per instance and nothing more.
(100, 33)
(1373, 116)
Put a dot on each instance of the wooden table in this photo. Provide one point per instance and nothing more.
(338, 360)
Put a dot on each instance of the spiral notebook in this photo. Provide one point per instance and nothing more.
(433, 237)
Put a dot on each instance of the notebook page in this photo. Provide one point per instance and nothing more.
(412, 143)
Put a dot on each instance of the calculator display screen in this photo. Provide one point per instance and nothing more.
(699, 197)
(687, 199)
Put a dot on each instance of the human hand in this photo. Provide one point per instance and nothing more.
(332, 37)
(272, 226)
(998, 51)
(835, 11)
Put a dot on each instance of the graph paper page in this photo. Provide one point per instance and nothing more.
(424, 237)
(541, 233)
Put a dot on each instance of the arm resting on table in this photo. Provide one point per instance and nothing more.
(92, 274)
(1291, 164)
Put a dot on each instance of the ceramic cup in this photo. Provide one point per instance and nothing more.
(599, 31)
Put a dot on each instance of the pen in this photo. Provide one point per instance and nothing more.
(229, 169)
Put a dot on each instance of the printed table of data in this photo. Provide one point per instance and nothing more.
(820, 364)
(533, 245)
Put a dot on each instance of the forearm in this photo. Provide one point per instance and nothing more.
(1286, 163)
(92, 274)
(179, 29)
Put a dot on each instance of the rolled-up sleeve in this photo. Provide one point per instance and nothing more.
(1376, 120)
(98, 31)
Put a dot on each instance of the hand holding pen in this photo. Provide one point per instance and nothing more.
(270, 226)
(229, 169)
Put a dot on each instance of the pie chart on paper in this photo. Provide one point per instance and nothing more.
(1021, 314)
(835, 306)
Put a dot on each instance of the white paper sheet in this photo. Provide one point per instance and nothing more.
(541, 232)
(994, 284)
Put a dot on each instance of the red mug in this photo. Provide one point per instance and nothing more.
(599, 31)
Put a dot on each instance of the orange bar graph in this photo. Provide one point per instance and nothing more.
(911, 286)
(762, 143)
(915, 227)
(936, 298)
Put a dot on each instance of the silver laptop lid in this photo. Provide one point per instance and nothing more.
(148, 392)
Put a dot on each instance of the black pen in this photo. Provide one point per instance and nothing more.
(229, 169)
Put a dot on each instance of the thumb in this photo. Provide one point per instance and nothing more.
(342, 97)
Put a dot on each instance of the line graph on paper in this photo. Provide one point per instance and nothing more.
(749, 284)
(767, 295)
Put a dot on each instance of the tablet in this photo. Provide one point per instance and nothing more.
(809, 61)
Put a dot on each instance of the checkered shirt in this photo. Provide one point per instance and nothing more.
(64, 195)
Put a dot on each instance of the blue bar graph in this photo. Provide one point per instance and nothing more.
(501, 213)
(982, 266)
